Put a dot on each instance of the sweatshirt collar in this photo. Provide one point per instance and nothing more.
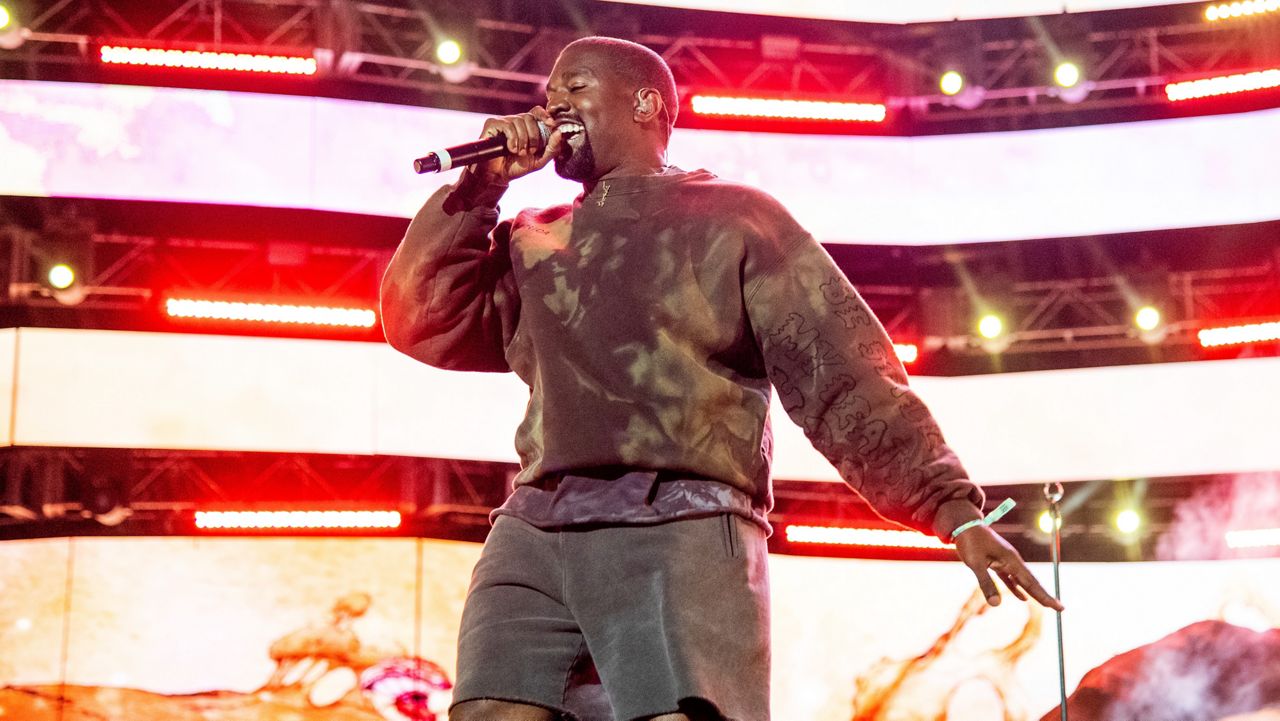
(626, 185)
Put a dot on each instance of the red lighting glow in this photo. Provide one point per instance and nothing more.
(879, 537)
(270, 313)
(205, 60)
(907, 352)
(1223, 85)
(267, 520)
(1239, 334)
(1241, 8)
(1256, 538)
(787, 109)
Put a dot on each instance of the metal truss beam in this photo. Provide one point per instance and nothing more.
(80, 483)
(78, 491)
(390, 44)
(1074, 314)
(1044, 316)
(131, 272)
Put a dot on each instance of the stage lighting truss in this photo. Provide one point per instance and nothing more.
(1223, 85)
(207, 60)
(787, 109)
(296, 520)
(503, 60)
(870, 537)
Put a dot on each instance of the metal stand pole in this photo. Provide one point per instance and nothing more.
(1053, 493)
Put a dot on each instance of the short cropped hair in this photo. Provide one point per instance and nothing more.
(639, 65)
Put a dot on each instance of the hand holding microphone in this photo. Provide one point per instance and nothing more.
(509, 147)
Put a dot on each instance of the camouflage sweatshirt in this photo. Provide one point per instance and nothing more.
(649, 319)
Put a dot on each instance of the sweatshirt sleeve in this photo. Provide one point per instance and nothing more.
(448, 297)
(839, 379)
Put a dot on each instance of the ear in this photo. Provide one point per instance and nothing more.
(648, 105)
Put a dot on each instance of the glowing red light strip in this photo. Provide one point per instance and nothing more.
(1226, 11)
(205, 60)
(1223, 85)
(787, 109)
(1237, 334)
(270, 313)
(907, 352)
(879, 537)
(263, 520)
(1256, 538)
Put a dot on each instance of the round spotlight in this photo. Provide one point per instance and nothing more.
(1128, 521)
(951, 83)
(1147, 318)
(990, 326)
(61, 276)
(1045, 522)
(449, 52)
(5, 18)
(1067, 74)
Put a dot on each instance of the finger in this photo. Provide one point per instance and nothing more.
(541, 114)
(1037, 592)
(1012, 584)
(492, 127)
(517, 136)
(987, 585)
(555, 142)
(532, 133)
(495, 127)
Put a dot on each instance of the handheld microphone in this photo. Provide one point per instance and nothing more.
(470, 153)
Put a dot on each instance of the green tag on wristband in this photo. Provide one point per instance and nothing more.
(999, 512)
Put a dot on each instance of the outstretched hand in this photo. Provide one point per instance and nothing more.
(985, 552)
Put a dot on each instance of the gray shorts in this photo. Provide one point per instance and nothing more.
(672, 616)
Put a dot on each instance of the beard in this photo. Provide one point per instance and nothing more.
(577, 165)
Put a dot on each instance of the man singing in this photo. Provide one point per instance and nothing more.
(649, 319)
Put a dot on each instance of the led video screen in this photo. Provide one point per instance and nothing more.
(205, 392)
(187, 629)
(151, 143)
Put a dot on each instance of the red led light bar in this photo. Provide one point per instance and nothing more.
(270, 313)
(1239, 334)
(1223, 85)
(787, 109)
(206, 60)
(908, 353)
(1243, 8)
(296, 520)
(878, 537)
(1255, 538)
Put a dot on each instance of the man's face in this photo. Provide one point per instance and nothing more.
(593, 109)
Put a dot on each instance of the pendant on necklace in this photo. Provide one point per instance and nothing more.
(605, 194)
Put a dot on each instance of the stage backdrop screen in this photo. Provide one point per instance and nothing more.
(187, 629)
(151, 143)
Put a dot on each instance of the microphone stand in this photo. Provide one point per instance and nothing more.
(1053, 493)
